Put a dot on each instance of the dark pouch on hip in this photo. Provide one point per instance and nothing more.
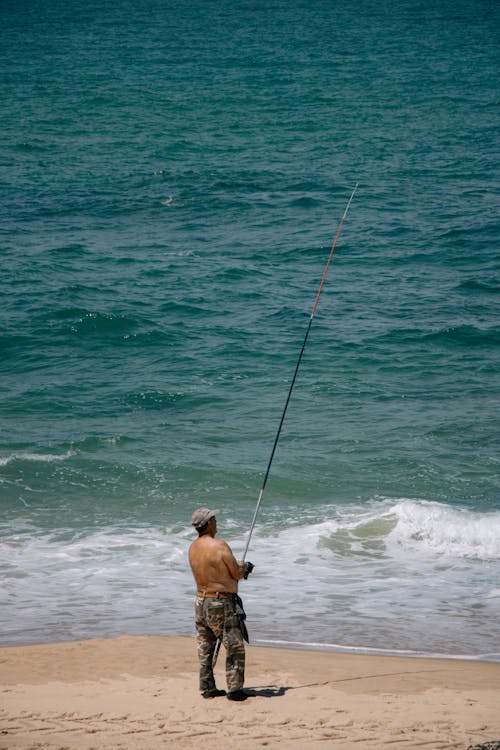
(240, 612)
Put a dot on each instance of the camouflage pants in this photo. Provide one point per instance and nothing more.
(217, 618)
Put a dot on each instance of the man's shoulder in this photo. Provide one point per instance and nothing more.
(223, 545)
(208, 541)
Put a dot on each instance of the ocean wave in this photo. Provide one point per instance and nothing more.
(473, 285)
(452, 335)
(96, 443)
(12, 343)
(432, 527)
(71, 250)
(82, 321)
(101, 323)
(41, 457)
(465, 335)
(155, 399)
(126, 329)
(360, 573)
(388, 529)
(186, 310)
(304, 201)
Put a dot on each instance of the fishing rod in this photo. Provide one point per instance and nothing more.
(313, 313)
(249, 566)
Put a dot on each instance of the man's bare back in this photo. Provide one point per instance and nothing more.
(217, 572)
(214, 565)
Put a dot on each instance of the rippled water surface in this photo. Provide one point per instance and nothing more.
(172, 179)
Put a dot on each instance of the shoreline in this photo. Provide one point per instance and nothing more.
(142, 691)
(315, 647)
(335, 648)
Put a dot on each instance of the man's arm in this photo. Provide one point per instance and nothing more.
(236, 569)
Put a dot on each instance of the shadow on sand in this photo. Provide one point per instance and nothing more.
(270, 691)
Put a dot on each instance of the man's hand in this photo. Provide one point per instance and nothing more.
(248, 569)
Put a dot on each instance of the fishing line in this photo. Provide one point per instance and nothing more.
(313, 313)
(297, 366)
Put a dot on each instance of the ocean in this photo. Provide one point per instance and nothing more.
(173, 175)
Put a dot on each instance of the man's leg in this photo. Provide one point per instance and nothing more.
(235, 650)
(206, 647)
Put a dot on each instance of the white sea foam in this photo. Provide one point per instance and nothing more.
(441, 529)
(42, 457)
(337, 647)
(397, 527)
(364, 578)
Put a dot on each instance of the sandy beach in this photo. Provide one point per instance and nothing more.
(135, 692)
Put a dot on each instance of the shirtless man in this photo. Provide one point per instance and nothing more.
(217, 572)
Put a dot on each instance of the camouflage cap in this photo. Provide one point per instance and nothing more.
(202, 516)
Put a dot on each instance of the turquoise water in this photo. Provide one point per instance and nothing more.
(172, 178)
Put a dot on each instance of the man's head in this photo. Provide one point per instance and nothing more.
(201, 518)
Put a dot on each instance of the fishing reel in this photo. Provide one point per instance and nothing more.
(248, 569)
